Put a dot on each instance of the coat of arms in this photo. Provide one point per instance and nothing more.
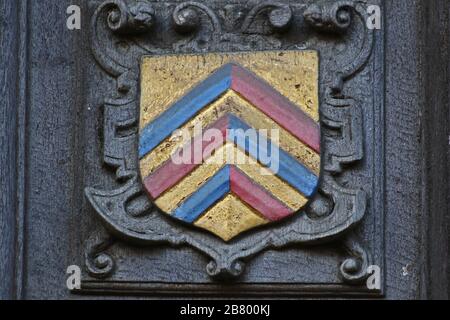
(225, 148)
(230, 142)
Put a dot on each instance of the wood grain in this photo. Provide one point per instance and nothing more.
(414, 104)
(9, 66)
(63, 150)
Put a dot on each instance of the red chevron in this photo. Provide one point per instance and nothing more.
(256, 197)
(169, 174)
(263, 96)
(251, 88)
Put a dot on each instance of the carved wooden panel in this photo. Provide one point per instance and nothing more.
(329, 248)
(72, 188)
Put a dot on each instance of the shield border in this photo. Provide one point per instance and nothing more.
(124, 210)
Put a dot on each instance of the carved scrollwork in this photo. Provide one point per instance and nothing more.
(187, 21)
(222, 270)
(119, 17)
(99, 263)
(337, 17)
(133, 19)
(279, 16)
(186, 18)
(354, 270)
(227, 258)
(342, 116)
(128, 213)
(342, 129)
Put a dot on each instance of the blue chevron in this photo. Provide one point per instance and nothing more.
(208, 194)
(183, 110)
(290, 170)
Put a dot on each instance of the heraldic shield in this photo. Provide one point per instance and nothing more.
(211, 139)
(230, 141)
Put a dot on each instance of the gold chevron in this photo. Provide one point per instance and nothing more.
(232, 103)
(165, 79)
(230, 217)
(171, 199)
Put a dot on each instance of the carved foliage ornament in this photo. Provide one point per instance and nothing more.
(128, 40)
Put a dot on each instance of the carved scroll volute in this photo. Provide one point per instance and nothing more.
(136, 18)
(354, 270)
(99, 264)
(326, 16)
(336, 17)
(342, 117)
(118, 18)
(278, 14)
(186, 17)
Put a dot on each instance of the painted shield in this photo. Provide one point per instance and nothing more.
(230, 142)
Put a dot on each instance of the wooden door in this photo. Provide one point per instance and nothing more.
(74, 199)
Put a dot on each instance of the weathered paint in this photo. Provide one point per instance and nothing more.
(234, 93)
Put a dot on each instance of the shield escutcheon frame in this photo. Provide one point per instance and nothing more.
(128, 213)
(223, 149)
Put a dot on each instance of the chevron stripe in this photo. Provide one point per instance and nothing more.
(241, 179)
(296, 174)
(170, 173)
(171, 199)
(232, 103)
(166, 79)
(274, 105)
(229, 217)
(289, 169)
(256, 197)
(174, 117)
(212, 191)
(255, 90)
(227, 180)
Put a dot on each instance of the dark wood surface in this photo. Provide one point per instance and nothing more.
(9, 68)
(49, 116)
